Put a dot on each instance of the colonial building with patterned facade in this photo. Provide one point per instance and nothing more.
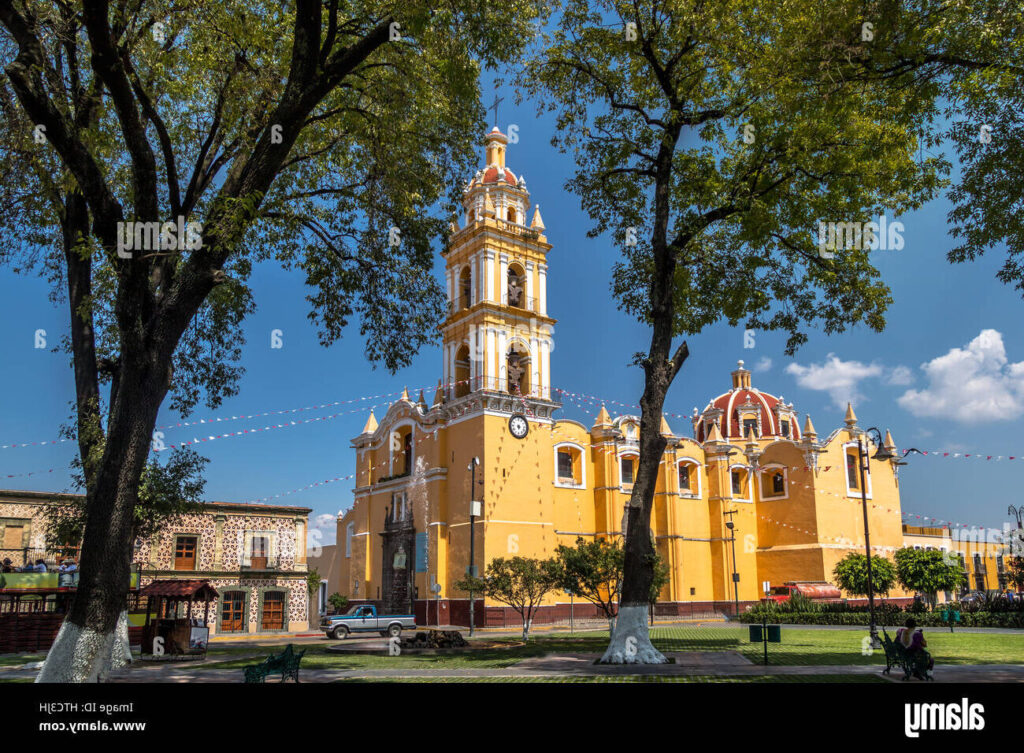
(489, 443)
(253, 555)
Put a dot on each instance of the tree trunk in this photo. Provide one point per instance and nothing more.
(630, 641)
(84, 649)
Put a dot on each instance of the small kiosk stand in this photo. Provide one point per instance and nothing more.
(172, 631)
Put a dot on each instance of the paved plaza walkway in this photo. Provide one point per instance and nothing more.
(690, 663)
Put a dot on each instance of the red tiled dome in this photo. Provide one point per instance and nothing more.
(491, 175)
(725, 410)
(730, 401)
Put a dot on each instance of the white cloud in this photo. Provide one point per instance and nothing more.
(326, 520)
(763, 365)
(900, 376)
(971, 384)
(836, 377)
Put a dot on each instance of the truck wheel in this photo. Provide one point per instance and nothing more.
(395, 630)
(340, 633)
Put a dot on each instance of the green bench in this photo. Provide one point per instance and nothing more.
(896, 655)
(287, 663)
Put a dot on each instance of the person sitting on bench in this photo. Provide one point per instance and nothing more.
(912, 639)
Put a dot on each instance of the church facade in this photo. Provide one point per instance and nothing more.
(489, 443)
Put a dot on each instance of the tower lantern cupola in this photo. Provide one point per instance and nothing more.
(496, 142)
(741, 377)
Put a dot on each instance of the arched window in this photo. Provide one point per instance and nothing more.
(772, 482)
(628, 464)
(465, 288)
(739, 479)
(689, 478)
(462, 371)
(516, 286)
(401, 451)
(852, 461)
(518, 370)
(569, 469)
(511, 215)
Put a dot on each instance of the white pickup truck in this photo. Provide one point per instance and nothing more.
(364, 619)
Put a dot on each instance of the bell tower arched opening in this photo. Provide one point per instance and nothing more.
(518, 369)
(462, 371)
(516, 286)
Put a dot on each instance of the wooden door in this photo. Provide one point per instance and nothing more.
(185, 553)
(232, 616)
(273, 611)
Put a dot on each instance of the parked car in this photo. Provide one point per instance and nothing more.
(363, 618)
(972, 598)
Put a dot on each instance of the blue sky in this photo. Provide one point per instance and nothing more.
(971, 400)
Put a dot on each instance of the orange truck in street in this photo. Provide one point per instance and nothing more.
(818, 591)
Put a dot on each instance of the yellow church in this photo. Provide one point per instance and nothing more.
(488, 443)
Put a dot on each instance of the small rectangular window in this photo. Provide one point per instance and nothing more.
(565, 465)
(778, 484)
(627, 471)
(349, 531)
(684, 477)
(852, 471)
(748, 425)
(785, 429)
(737, 483)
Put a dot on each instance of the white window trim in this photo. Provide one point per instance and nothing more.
(700, 488)
(762, 472)
(750, 486)
(350, 532)
(851, 492)
(583, 465)
(391, 445)
(627, 452)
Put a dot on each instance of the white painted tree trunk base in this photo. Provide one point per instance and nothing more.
(630, 642)
(121, 651)
(78, 655)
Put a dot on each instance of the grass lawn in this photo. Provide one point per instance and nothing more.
(632, 679)
(798, 647)
(15, 660)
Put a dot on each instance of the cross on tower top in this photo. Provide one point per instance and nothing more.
(497, 101)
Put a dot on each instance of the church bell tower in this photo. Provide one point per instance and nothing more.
(498, 337)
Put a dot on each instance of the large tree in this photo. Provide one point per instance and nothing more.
(712, 140)
(851, 574)
(315, 134)
(928, 571)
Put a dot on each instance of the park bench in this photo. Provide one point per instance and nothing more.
(287, 663)
(915, 664)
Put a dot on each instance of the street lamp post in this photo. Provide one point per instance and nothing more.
(862, 456)
(735, 572)
(472, 537)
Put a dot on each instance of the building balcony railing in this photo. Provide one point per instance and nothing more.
(265, 562)
(526, 303)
